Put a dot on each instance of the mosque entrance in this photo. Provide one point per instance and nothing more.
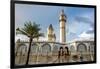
(63, 54)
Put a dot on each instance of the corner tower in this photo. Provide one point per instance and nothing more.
(62, 21)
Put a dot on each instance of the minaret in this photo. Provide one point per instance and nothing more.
(50, 32)
(62, 21)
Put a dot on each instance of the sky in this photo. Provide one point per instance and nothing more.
(80, 21)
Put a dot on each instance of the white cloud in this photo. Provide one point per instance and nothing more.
(21, 37)
(73, 27)
(42, 39)
(85, 35)
(24, 38)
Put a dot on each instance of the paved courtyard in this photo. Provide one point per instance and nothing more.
(47, 59)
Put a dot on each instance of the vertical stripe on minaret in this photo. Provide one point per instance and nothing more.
(62, 21)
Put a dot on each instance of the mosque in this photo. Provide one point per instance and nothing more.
(76, 50)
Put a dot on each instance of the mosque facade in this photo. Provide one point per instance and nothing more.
(82, 50)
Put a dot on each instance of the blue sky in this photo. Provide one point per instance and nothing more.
(80, 21)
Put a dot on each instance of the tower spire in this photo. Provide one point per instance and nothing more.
(62, 12)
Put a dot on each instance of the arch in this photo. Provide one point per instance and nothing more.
(21, 48)
(20, 52)
(61, 51)
(66, 51)
(45, 48)
(34, 48)
(72, 49)
(81, 48)
(66, 48)
(91, 47)
(60, 48)
(26, 49)
(55, 49)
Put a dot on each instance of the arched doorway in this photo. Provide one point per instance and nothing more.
(91, 51)
(55, 50)
(34, 49)
(61, 51)
(91, 48)
(45, 49)
(81, 48)
(45, 53)
(20, 53)
(19, 47)
(34, 53)
(66, 54)
(72, 49)
(66, 51)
